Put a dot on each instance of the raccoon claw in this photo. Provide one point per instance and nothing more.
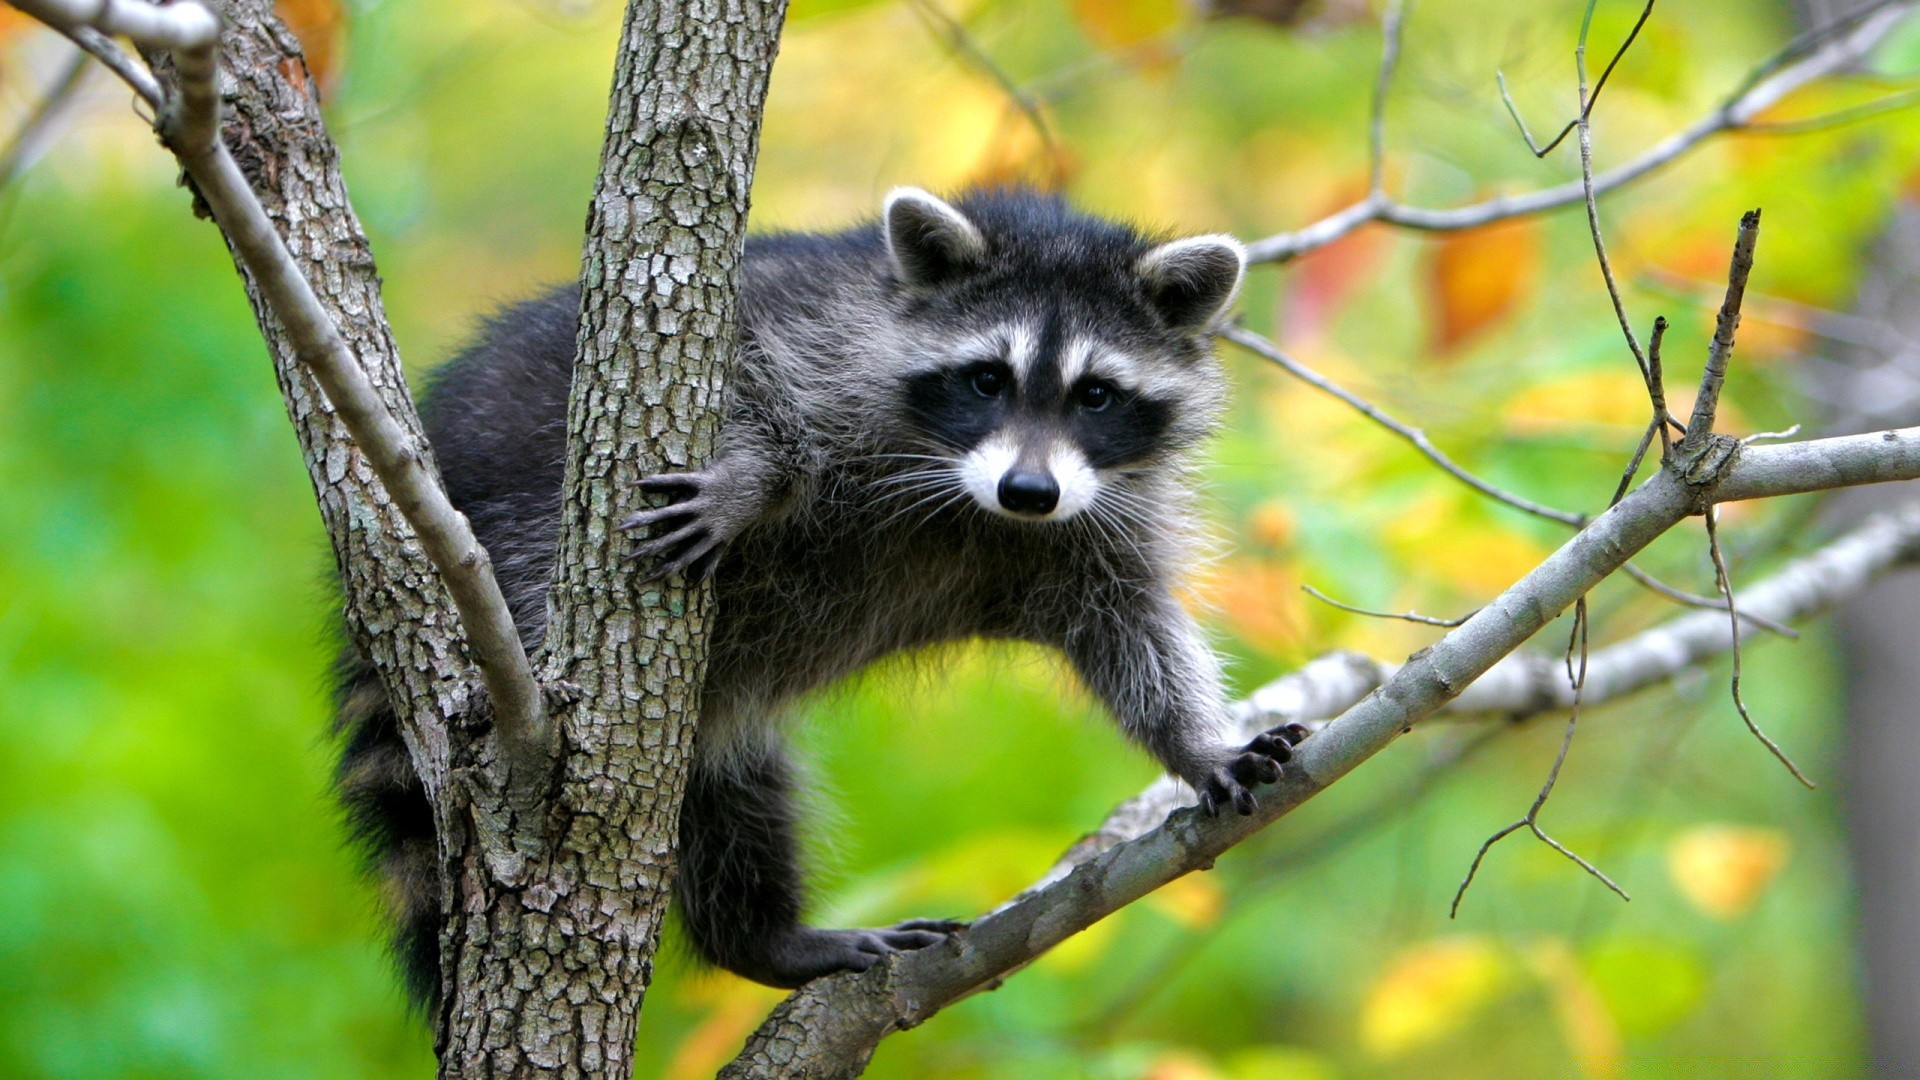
(698, 526)
(1259, 762)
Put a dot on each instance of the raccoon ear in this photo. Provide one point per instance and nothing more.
(929, 240)
(1191, 281)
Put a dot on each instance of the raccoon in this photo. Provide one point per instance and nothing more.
(968, 419)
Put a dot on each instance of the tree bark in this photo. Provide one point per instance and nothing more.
(552, 943)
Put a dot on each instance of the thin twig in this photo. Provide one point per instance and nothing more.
(1708, 603)
(1390, 29)
(1585, 126)
(1578, 680)
(1853, 114)
(32, 136)
(1261, 347)
(115, 59)
(1586, 109)
(1410, 616)
(1720, 353)
(1657, 389)
(1725, 581)
(1826, 49)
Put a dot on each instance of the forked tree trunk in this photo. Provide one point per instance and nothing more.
(553, 904)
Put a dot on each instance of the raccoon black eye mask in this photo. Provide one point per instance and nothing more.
(968, 419)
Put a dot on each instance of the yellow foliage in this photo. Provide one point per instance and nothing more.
(1280, 1063)
(1429, 992)
(1194, 901)
(1083, 948)
(1474, 556)
(1589, 1028)
(1723, 869)
(1613, 397)
(1121, 24)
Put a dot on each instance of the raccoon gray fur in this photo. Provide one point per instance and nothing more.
(965, 420)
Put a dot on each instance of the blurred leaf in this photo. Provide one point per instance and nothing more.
(1194, 901)
(1649, 984)
(1614, 397)
(1271, 525)
(1429, 992)
(799, 11)
(321, 26)
(1578, 1005)
(736, 1007)
(1445, 536)
(1260, 601)
(1477, 276)
(1182, 1065)
(1722, 869)
(1122, 24)
(1280, 1063)
(1019, 153)
(1322, 281)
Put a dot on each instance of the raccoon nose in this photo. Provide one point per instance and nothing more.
(1026, 492)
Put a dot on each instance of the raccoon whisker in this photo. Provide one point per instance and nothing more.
(945, 493)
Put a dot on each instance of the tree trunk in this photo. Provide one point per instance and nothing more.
(553, 905)
(554, 945)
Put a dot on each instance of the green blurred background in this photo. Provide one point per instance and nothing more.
(175, 897)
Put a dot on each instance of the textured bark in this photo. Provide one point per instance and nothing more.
(552, 908)
(554, 948)
(397, 608)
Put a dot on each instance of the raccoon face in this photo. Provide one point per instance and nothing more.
(1059, 352)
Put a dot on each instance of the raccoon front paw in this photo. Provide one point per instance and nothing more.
(702, 516)
(1258, 762)
(809, 953)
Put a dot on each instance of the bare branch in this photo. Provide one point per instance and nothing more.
(830, 1027)
(1391, 25)
(31, 139)
(1410, 616)
(1577, 680)
(1261, 347)
(1826, 50)
(1720, 354)
(1725, 580)
(1586, 108)
(189, 122)
(102, 48)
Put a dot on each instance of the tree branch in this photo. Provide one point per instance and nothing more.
(1823, 51)
(830, 1027)
(189, 123)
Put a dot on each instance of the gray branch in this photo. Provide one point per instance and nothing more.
(189, 123)
(1814, 56)
(830, 1027)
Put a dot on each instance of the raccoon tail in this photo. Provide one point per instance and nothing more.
(391, 821)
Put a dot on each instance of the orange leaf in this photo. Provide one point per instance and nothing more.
(1121, 24)
(1723, 869)
(1478, 276)
(321, 26)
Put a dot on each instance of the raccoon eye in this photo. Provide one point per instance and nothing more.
(1095, 397)
(989, 383)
